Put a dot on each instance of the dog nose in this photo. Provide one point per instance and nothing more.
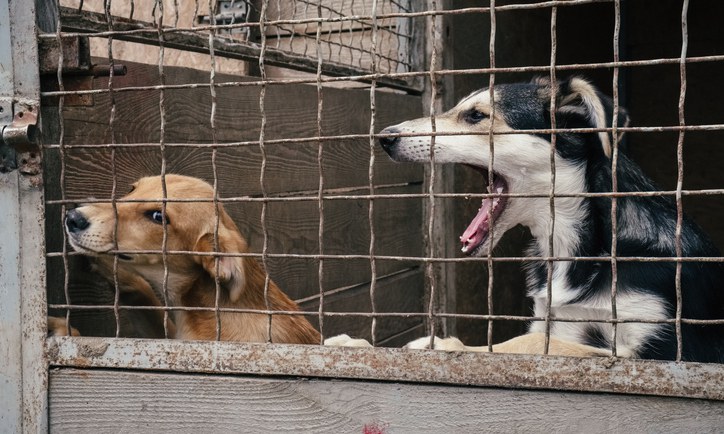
(75, 221)
(388, 143)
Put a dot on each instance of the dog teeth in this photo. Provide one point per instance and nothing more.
(465, 249)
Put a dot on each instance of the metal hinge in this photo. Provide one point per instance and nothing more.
(19, 125)
(229, 12)
(19, 131)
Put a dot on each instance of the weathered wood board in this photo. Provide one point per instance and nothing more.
(98, 401)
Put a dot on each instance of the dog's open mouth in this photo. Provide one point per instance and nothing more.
(479, 229)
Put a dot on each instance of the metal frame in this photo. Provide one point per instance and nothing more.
(24, 371)
(23, 391)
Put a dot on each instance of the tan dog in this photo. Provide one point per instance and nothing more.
(191, 279)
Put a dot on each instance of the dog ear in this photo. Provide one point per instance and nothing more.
(231, 271)
(577, 97)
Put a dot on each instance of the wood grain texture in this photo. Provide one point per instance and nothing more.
(292, 227)
(291, 112)
(98, 401)
(401, 292)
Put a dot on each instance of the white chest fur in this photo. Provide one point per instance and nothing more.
(630, 304)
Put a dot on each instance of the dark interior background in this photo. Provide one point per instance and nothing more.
(649, 30)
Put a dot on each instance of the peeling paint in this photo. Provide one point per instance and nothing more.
(630, 376)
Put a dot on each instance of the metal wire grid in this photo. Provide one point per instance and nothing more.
(322, 195)
(366, 43)
(346, 36)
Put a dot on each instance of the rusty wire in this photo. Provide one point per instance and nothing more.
(162, 148)
(370, 179)
(320, 168)
(321, 20)
(114, 206)
(402, 75)
(214, 169)
(521, 259)
(614, 178)
(552, 192)
(680, 175)
(323, 194)
(62, 157)
(262, 149)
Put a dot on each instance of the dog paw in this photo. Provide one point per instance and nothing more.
(346, 341)
(446, 344)
(59, 327)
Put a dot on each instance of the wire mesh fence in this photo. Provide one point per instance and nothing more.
(278, 107)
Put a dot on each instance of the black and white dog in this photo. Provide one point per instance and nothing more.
(646, 226)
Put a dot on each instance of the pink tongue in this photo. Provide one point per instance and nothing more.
(478, 229)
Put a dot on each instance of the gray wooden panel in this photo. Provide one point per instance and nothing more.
(98, 401)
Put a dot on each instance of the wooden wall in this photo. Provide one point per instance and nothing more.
(291, 112)
(99, 401)
(650, 93)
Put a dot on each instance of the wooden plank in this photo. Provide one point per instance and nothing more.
(99, 401)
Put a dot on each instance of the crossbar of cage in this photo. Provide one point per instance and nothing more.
(306, 140)
(360, 314)
(403, 75)
(521, 259)
(329, 195)
(552, 190)
(491, 153)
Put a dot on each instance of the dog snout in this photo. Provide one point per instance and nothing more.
(75, 221)
(388, 143)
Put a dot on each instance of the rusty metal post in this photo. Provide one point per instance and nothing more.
(24, 367)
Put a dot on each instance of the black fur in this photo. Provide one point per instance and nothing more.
(524, 106)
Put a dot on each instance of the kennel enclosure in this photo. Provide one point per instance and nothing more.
(280, 103)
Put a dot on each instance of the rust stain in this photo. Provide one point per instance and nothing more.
(694, 380)
(91, 350)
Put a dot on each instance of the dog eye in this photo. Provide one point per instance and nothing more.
(473, 116)
(156, 216)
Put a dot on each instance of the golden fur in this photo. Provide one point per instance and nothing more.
(190, 280)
